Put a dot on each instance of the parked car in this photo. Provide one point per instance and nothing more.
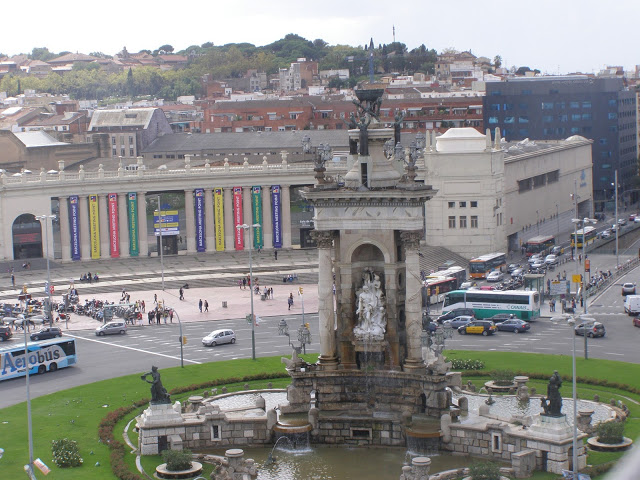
(501, 317)
(557, 250)
(5, 333)
(605, 233)
(636, 322)
(628, 289)
(538, 266)
(536, 257)
(45, 333)
(517, 272)
(467, 285)
(513, 325)
(458, 321)
(551, 260)
(218, 337)
(632, 217)
(495, 276)
(456, 312)
(593, 329)
(112, 328)
(632, 304)
(479, 327)
(511, 267)
(622, 222)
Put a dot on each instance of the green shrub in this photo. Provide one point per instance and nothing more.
(485, 471)
(610, 432)
(502, 377)
(467, 364)
(65, 453)
(177, 460)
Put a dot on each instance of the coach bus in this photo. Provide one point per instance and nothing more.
(435, 286)
(524, 304)
(540, 244)
(483, 265)
(45, 355)
(588, 233)
(459, 273)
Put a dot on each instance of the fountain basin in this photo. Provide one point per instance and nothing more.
(291, 429)
(194, 471)
(594, 444)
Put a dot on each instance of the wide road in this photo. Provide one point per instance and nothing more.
(112, 356)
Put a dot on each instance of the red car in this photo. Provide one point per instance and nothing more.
(636, 321)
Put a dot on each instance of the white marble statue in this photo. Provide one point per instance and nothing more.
(370, 309)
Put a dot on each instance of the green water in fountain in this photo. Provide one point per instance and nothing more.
(339, 463)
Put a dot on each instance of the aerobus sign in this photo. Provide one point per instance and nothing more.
(12, 362)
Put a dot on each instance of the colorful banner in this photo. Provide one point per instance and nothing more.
(74, 226)
(276, 214)
(237, 216)
(114, 232)
(94, 227)
(170, 221)
(256, 206)
(134, 247)
(218, 217)
(201, 245)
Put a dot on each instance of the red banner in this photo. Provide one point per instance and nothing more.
(114, 236)
(237, 215)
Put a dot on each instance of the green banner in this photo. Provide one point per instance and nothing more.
(256, 206)
(134, 247)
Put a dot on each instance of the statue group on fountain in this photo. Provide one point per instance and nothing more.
(370, 308)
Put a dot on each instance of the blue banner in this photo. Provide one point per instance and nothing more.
(276, 213)
(74, 227)
(200, 240)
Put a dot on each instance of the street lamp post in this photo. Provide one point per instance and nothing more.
(617, 224)
(160, 220)
(584, 296)
(244, 226)
(181, 338)
(43, 218)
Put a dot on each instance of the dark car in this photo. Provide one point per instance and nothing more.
(593, 329)
(514, 325)
(458, 321)
(501, 317)
(456, 312)
(5, 333)
(45, 333)
(512, 266)
(480, 327)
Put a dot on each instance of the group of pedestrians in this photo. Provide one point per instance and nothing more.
(160, 313)
(204, 304)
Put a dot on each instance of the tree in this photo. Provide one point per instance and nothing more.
(42, 54)
(319, 43)
(524, 70)
(100, 55)
(131, 88)
(166, 48)
(207, 45)
(497, 61)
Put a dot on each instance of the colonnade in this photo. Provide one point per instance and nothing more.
(114, 225)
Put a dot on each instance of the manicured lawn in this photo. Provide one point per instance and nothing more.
(76, 413)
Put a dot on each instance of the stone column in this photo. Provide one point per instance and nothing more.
(189, 212)
(65, 233)
(286, 217)
(123, 225)
(267, 221)
(209, 232)
(413, 300)
(326, 316)
(229, 228)
(142, 224)
(103, 217)
(247, 215)
(83, 218)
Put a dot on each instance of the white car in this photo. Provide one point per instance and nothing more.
(605, 233)
(551, 260)
(218, 337)
(467, 285)
(535, 258)
(495, 276)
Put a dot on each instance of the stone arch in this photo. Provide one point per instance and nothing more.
(385, 253)
(26, 234)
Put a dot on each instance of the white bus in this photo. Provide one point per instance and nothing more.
(523, 304)
(45, 355)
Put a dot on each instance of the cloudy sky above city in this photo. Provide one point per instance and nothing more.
(554, 36)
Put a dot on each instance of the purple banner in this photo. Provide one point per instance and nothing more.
(74, 227)
(200, 240)
(276, 213)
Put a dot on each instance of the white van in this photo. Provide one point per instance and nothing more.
(632, 304)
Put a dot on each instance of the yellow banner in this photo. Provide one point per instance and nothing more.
(218, 217)
(576, 278)
(94, 227)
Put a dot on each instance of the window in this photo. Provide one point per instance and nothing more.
(122, 151)
(462, 204)
(452, 222)
(612, 102)
(463, 222)
(586, 116)
(474, 204)
(575, 117)
(496, 93)
(495, 107)
(452, 204)
(574, 104)
(603, 141)
(612, 115)
(563, 118)
(586, 104)
(474, 221)
(493, 120)
(561, 131)
(524, 185)
(575, 130)
(526, 92)
(113, 140)
(559, 105)
(547, 118)
(113, 152)
(507, 106)
(613, 128)
(552, 91)
(130, 139)
(131, 152)
(524, 132)
(509, 120)
(547, 105)
(523, 119)
(523, 106)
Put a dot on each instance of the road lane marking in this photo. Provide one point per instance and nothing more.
(130, 348)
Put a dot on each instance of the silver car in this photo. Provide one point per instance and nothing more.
(112, 328)
(218, 337)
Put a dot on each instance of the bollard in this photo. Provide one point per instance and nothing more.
(224, 304)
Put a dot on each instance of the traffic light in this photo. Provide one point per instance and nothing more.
(299, 290)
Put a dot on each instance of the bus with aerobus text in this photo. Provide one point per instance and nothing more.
(524, 304)
(481, 266)
(541, 244)
(43, 356)
(587, 233)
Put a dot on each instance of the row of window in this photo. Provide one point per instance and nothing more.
(463, 221)
(473, 204)
(114, 152)
(113, 140)
(538, 181)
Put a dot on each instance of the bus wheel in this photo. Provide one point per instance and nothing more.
(42, 369)
(485, 333)
(53, 367)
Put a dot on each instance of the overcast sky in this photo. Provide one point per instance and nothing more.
(555, 36)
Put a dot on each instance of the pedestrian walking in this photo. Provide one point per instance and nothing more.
(13, 280)
(290, 300)
(244, 283)
(150, 316)
(200, 305)
(275, 254)
(171, 315)
(240, 284)
(181, 293)
(142, 305)
(158, 315)
(155, 298)
(206, 306)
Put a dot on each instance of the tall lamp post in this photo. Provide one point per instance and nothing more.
(585, 222)
(43, 218)
(244, 226)
(182, 339)
(29, 467)
(160, 229)
(617, 224)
